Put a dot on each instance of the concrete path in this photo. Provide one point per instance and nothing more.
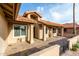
(27, 49)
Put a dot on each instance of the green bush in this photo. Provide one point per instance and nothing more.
(74, 47)
(77, 45)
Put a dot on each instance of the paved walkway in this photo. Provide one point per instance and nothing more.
(27, 49)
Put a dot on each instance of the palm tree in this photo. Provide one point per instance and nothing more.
(74, 24)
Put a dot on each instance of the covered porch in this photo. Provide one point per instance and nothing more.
(46, 29)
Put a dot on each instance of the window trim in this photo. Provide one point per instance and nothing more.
(20, 31)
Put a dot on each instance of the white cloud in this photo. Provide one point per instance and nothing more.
(61, 16)
(56, 15)
(40, 9)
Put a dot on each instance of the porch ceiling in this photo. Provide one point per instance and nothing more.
(10, 10)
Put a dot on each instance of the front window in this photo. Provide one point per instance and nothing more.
(19, 30)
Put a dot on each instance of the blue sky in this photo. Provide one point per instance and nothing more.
(54, 12)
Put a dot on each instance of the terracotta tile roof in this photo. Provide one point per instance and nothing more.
(50, 23)
(32, 12)
(23, 19)
(70, 25)
(42, 21)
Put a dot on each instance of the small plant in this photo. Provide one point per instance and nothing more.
(77, 45)
(74, 47)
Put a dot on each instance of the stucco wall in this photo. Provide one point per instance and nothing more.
(36, 31)
(3, 26)
(70, 31)
(3, 32)
(50, 51)
(73, 41)
(11, 39)
(47, 34)
(77, 30)
(40, 33)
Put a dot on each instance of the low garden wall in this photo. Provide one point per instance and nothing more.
(73, 41)
(50, 51)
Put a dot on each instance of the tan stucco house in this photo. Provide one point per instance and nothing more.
(43, 29)
(31, 25)
(26, 28)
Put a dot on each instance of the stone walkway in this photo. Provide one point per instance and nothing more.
(71, 53)
(22, 49)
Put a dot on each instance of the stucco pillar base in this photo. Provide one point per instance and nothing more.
(44, 33)
(31, 34)
(28, 31)
(32, 41)
(62, 32)
(51, 34)
(56, 32)
(44, 40)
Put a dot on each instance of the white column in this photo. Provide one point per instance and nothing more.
(62, 31)
(51, 32)
(31, 34)
(57, 31)
(44, 33)
(28, 32)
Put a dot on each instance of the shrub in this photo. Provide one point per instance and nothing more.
(77, 45)
(74, 47)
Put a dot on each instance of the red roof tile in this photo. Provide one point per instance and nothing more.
(50, 23)
(32, 12)
(23, 19)
(70, 25)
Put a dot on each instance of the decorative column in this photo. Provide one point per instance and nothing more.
(51, 32)
(31, 34)
(28, 32)
(62, 31)
(44, 33)
(56, 32)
